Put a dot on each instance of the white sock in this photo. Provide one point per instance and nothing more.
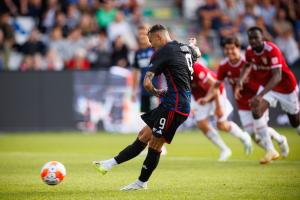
(214, 136)
(275, 135)
(261, 129)
(140, 183)
(110, 163)
(236, 131)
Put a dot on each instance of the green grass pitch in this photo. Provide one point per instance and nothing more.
(189, 171)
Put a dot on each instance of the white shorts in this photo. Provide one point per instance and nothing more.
(247, 119)
(288, 102)
(205, 111)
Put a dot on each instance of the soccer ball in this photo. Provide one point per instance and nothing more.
(53, 173)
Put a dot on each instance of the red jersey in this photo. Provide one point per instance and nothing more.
(232, 73)
(270, 58)
(200, 86)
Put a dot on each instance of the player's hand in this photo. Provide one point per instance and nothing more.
(219, 112)
(202, 101)
(255, 101)
(193, 42)
(238, 89)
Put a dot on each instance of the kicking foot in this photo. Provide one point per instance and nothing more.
(269, 156)
(284, 147)
(247, 144)
(225, 154)
(102, 167)
(137, 185)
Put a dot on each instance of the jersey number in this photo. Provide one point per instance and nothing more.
(189, 62)
(162, 123)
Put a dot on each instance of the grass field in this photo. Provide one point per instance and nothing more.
(189, 171)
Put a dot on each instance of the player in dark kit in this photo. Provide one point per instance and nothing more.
(175, 61)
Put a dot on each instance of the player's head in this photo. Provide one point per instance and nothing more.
(256, 38)
(231, 47)
(158, 36)
(143, 41)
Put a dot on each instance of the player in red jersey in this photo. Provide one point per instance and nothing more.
(215, 105)
(277, 84)
(230, 69)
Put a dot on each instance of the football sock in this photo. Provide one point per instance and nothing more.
(237, 132)
(214, 136)
(275, 135)
(149, 165)
(130, 151)
(262, 131)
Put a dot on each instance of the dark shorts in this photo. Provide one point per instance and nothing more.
(145, 103)
(163, 122)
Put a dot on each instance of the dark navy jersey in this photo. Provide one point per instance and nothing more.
(141, 62)
(175, 60)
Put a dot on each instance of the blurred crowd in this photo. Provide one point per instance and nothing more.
(67, 34)
(279, 19)
(98, 34)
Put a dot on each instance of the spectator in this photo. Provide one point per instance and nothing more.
(73, 16)
(35, 9)
(231, 9)
(227, 27)
(61, 22)
(106, 14)
(75, 41)
(87, 24)
(34, 45)
(49, 17)
(120, 53)
(58, 44)
(53, 61)
(261, 24)
(1, 50)
(268, 12)
(121, 28)
(79, 61)
(289, 47)
(280, 23)
(100, 51)
(210, 11)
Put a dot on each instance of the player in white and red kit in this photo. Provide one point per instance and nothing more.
(277, 84)
(230, 69)
(215, 105)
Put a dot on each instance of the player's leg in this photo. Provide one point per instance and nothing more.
(164, 130)
(231, 127)
(295, 121)
(127, 153)
(203, 112)
(261, 128)
(212, 134)
(150, 163)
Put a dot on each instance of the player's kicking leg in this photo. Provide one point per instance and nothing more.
(212, 134)
(126, 154)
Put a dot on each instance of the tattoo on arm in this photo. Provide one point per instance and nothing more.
(148, 84)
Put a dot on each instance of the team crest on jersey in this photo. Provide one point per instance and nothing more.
(274, 60)
(229, 73)
(265, 60)
(201, 75)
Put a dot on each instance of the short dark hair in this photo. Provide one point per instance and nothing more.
(156, 28)
(232, 40)
(255, 28)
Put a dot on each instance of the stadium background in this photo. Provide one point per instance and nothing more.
(66, 65)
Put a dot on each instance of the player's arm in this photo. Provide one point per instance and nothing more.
(212, 92)
(246, 69)
(148, 85)
(275, 79)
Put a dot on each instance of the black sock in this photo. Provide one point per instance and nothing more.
(130, 151)
(149, 164)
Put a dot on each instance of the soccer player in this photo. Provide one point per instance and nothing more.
(215, 103)
(175, 61)
(230, 69)
(277, 84)
(140, 68)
